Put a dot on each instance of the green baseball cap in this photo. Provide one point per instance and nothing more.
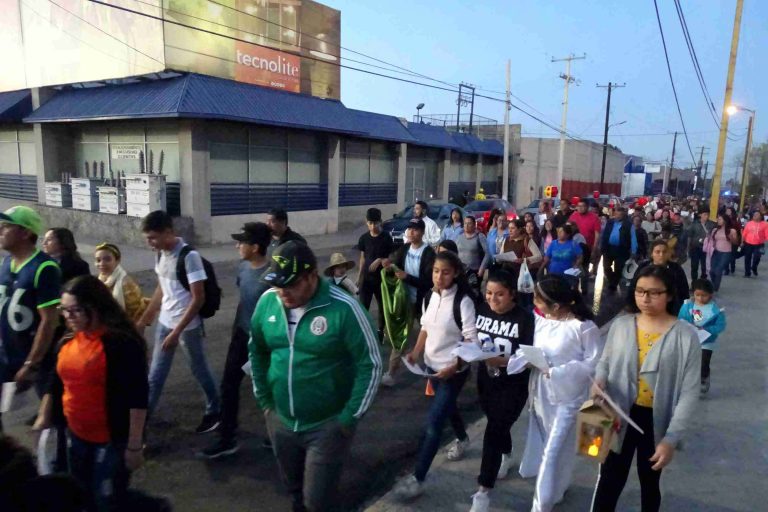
(289, 262)
(23, 216)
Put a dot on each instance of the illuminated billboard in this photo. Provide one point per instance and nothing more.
(292, 45)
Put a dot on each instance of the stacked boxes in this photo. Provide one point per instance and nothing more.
(144, 193)
(58, 194)
(85, 195)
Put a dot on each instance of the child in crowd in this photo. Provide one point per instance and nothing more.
(336, 272)
(703, 312)
(124, 289)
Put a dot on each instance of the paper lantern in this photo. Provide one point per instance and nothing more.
(595, 430)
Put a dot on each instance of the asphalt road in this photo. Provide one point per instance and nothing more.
(384, 447)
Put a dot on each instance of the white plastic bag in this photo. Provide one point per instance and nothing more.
(525, 279)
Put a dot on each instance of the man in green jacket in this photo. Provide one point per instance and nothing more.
(316, 369)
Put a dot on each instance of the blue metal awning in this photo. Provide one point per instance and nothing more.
(432, 136)
(382, 126)
(201, 97)
(15, 105)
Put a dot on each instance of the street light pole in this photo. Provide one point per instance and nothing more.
(745, 172)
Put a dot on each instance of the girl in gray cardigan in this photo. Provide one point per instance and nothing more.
(650, 367)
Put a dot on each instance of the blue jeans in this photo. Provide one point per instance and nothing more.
(720, 261)
(100, 469)
(192, 342)
(443, 405)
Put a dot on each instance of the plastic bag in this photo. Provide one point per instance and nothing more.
(525, 279)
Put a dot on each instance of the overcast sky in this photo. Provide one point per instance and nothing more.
(455, 41)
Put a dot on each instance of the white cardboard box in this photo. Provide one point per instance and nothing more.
(85, 186)
(111, 200)
(138, 210)
(85, 202)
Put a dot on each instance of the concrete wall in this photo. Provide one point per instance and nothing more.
(581, 170)
(100, 227)
(354, 216)
(311, 222)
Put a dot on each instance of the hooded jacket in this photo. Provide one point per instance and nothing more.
(329, 369)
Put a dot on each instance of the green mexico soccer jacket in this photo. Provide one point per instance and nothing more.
(331, 367)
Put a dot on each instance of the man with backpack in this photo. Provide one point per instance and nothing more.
(186, 292)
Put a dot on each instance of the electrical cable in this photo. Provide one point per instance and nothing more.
(672, 81)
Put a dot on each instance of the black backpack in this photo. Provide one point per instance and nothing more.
(210, 285)
(460, 294)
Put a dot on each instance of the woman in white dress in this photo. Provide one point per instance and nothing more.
(571, 345)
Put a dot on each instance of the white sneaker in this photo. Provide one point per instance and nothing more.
(480, 502)
(409, 488)
(387, 380)
(457, 449)
(506, 465)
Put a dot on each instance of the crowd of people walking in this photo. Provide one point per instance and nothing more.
(305, 339)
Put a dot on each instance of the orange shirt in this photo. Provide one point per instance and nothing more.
(755, 233)
(82, 367)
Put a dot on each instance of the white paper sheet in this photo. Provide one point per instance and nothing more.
(703, 335)
(414, 368)
(247, 369)
(43, 456)
(470, 352)
(534, 356)
(575, 272)
(10, 400)
(602, 394)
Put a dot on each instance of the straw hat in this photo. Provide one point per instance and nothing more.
(338, 259)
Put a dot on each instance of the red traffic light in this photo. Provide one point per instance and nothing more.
(596, 194)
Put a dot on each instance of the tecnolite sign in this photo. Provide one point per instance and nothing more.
(266, 67)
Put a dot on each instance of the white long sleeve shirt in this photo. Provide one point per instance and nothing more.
(431, 231)
(443, 335)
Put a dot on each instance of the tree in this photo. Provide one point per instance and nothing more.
(757, 172)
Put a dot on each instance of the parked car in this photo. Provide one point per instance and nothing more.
(439, 211)
(481, 211)
(533, 208)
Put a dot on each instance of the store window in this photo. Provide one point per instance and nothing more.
(18, 164)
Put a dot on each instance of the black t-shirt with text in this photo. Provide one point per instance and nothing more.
(507, 331)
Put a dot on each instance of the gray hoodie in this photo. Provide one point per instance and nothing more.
(672, 369)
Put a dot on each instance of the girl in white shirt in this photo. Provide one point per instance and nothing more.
(572, 346)
(440, 334)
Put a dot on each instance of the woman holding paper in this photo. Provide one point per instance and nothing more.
(502, 396)
(569, 345)
(651, 370)
(519, 248)
(440, 333)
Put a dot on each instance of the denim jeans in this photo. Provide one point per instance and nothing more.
(720, 261)
(310, 462)
(100, 469)
(192, 343)
(443, 406)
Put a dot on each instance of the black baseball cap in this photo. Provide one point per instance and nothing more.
(417, 224)
(256, 233)
(290, 261)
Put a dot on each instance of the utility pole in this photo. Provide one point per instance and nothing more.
(745, 172)
(505, 164)
(668, 174)
(699, 165)
(715, 198)
(610, 86)
(568, 80)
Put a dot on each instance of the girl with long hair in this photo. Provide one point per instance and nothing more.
(651, 368)
(571, 345)
(440, 333)
(517, 248)
(455, 226)
(101, 384)
(502, 396)
(59, 244)
(731, 214)
(548, 235)
(124, 289)
(722, 238)
(532, 230)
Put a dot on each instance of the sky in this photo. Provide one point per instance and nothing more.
(459, 41)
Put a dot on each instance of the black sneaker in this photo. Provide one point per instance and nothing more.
(220, 448)
(209, 423)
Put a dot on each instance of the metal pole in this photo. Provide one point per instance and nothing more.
(668, 174)
(745, 172)
(471, 110)
(605, 137)
(715, 198)
(561, 153)
(505, 162)
(458, 108)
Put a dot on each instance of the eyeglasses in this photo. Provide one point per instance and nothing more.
(654, 294)
(71, 311)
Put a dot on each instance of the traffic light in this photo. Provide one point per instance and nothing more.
(547, 191)
(554, 191)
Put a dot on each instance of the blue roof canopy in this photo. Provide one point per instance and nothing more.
(15, 105)
(382, 126)
(433, 136)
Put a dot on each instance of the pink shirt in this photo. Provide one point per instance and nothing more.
(588, 224)
(722, 242)
(755, 233)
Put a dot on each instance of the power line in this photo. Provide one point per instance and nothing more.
(226, 36)
(672, 80)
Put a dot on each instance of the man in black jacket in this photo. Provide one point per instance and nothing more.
(414, 263)
(277, 221)
(618, 243)
(699, 230)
